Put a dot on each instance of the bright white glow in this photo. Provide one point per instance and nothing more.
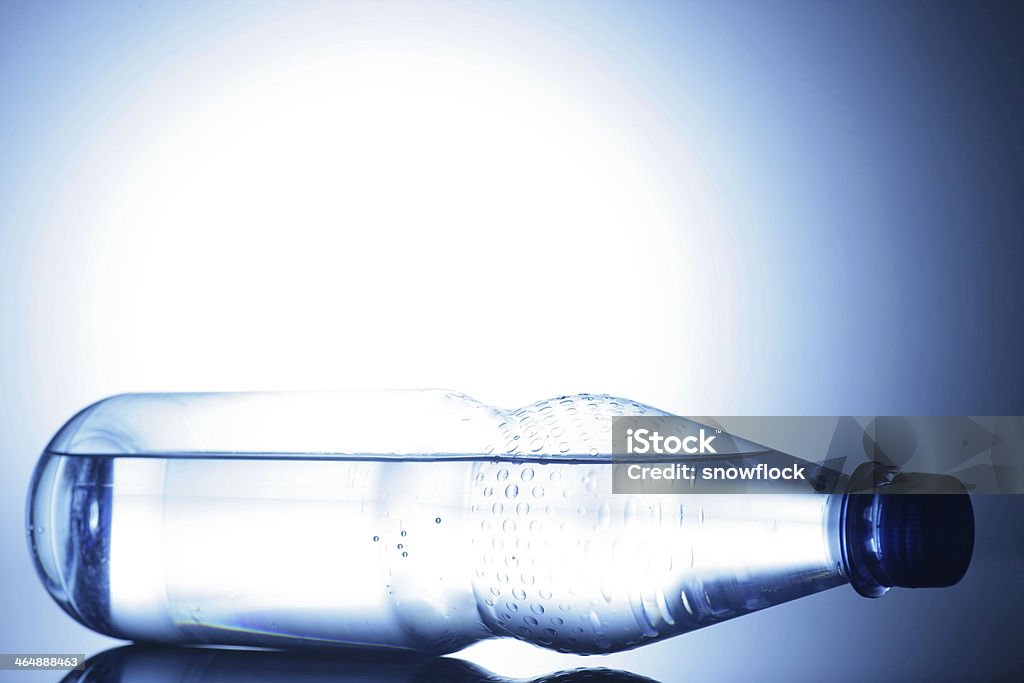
(375, 215)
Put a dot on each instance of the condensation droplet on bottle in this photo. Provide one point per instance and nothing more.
(604, 516)
(629, 512)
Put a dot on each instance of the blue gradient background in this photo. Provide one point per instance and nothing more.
(737, 208)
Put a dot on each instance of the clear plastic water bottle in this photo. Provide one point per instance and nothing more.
(425, 520)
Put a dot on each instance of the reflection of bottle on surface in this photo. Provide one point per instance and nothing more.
(426, 521)
(144, 664)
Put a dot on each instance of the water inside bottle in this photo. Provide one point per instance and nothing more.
(427, 553)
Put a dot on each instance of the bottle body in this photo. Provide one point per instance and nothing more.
(166, 519)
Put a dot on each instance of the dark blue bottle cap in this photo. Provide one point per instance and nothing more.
(925, 540)
(911, 540)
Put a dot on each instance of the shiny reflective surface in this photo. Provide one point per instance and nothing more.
(145, 664)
